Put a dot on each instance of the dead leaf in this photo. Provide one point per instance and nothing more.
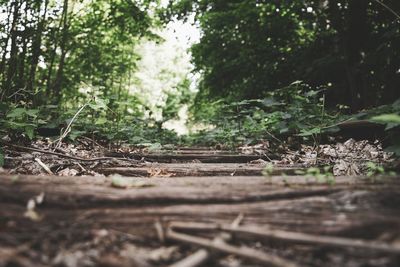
(126, 183)
(68, 172)
(159, 173)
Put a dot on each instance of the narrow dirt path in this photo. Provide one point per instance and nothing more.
(117, 221)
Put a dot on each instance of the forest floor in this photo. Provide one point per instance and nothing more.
(78, 206)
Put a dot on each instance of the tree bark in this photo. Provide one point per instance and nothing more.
(63, 47)
(355, 39)
(22, 57)
(36, 47)
(13, 61)
(5, 50)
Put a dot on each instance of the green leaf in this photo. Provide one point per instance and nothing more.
(309, 132)
(391, 120)
(32, 112)
(16, 113)
(75, 133)
(19, 125)
(101, 121)
(29, 131)
(387, 118)
(99, 104)
(270, 102)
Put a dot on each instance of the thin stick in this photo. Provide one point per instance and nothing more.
(80, 166)
(68, 129)
(44, 166)
(293, 237)
(273, 136)
(59, 154)
(202, 255)
(221, 246)
(388, 8)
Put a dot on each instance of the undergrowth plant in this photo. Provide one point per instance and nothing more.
(99, 118)
(294, 110)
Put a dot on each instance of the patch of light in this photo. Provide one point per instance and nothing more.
(179, 125)
(166, 64)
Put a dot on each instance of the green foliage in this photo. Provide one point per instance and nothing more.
(389, 116)
(68, 53)
(373, 170)
(125, 122)
(293, 110)
(250, 47)
(391, 120)
(21, 120)
(176, 99)
(322, 175)
(268, 170)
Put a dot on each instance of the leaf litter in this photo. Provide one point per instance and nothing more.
(349, 158)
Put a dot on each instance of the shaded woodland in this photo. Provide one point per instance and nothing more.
(57, 55)
(292, 120)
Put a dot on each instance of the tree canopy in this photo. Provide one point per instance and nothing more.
(251, 47)
(49, 48)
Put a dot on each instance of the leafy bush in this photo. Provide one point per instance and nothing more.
(293, 110)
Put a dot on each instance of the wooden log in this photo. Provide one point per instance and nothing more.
(197, 169)
(77, 205)
(205, 158)
(186, 151)
(98, 191)
(74, 191)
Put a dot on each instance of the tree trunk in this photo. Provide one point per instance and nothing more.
(5, 50)
(13, 61)
(21, 83)
(36, 44)
(355, 39)
(64, 39)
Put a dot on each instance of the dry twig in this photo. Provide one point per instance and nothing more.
(293, 237)
(68, 129)
(221, 246)
(44, 166)
(60, 154)
(202, 255)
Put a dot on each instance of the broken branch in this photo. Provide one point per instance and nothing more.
(294, 237)
(221, 246)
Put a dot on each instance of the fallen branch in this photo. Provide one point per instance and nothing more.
(220, 246)
(60, 154)
(202, 255)
(293, 237)
(388, 8)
